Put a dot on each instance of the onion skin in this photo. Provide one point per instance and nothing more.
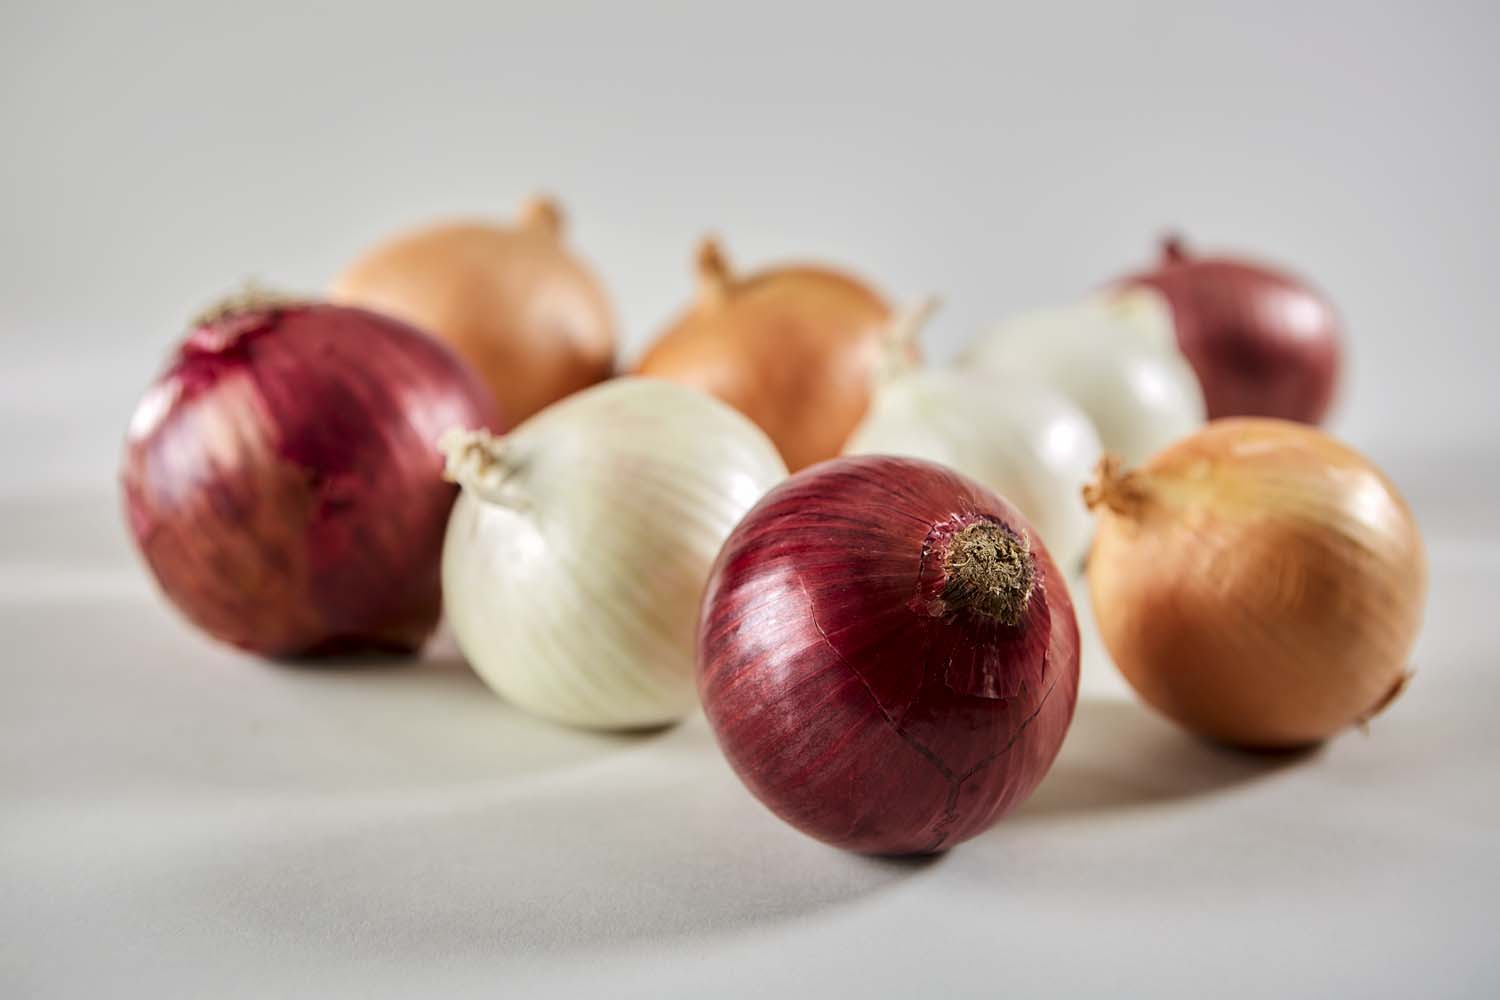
(1014, 435)
(1117, 361)
(1262, 342)
(795, 349)
(577, 554)
(846, 690)
(1258, 582)
(281, 478)
(527, 314)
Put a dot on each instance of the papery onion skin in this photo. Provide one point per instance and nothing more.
(1263, 342)
(282, 483)
(1259, 582)
(576, 557)
(795, 349)
(1115, 362)
(529, 315)
(849, 693)
(1015, 436)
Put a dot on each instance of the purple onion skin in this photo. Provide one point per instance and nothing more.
(282, 479)
(845, 692)
(1263, 343)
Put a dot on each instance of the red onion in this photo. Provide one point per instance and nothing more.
(282, 477)
(887, 654)
(1263, 343)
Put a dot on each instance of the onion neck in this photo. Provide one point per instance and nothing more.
(988, 570)
(541, 214)
(1173, 249)
(899, 347)
(477, 461)
(1116, 489)
(715, 279)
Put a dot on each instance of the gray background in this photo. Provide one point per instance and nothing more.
(1002, 156)
(179, 820)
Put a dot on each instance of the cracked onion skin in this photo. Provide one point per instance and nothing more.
(515, 303)
(887, 655)
(282, 480)
(1258, 582)
(795, 349)
(1262, 342)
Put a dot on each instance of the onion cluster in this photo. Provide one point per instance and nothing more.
(883, 643)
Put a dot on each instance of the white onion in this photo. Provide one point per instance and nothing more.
(579, 548)
(1020, 438)
(1117, 361)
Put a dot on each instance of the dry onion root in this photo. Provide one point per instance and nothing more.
(1258, 582)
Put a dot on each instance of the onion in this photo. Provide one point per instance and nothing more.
(577, 554)
(1259, 582)
(1116, 362)
(282, 482)
(512, 300)
(887, 655)
(1262, 342)
(795, 349)
(1022, 439)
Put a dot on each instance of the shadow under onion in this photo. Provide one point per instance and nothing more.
(1119, 755)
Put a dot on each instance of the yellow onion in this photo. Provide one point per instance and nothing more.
(1258, 582)
(526, 314)
(795, 349)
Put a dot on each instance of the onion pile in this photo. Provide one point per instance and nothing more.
(1262, 342)
(281, 478)
(511, 300)
(1014, 435)
(887, 655)
(1116, 362)
(1258, 582)
(884, 647)
(576, 557)
(795, 349)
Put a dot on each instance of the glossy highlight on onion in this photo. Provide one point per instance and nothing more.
(1258, 582)
(795, 349)
(1263, 342)
(887, 655)
(513, 300)
(283, 483)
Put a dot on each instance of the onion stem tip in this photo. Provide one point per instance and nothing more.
(542, 213)
(714, 276)
(1115, 488)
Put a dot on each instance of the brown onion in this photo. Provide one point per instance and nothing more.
(512, 300)
(795, 349)
(283, 481)
(1263, 343)
(1258, 582)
